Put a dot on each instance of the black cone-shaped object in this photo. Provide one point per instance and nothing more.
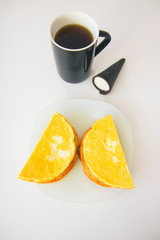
(105, 80)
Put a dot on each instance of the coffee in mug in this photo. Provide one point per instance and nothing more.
(74, 37)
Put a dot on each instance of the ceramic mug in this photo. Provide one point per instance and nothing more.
(74, 65)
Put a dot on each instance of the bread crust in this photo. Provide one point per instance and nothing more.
(86, 169)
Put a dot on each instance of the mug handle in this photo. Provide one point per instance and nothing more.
(104, 43)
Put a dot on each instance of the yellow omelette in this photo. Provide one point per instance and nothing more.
(102, 155)
(54, 155)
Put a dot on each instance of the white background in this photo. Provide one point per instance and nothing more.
(29, 82)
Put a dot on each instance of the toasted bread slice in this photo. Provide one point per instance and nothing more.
(55, 154)
(102, 155)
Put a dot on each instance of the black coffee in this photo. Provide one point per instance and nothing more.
(73, 36)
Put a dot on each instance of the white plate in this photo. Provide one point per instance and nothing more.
(81, 114)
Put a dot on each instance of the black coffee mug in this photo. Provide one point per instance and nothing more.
(74, 65)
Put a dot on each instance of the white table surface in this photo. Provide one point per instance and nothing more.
(29, 82)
